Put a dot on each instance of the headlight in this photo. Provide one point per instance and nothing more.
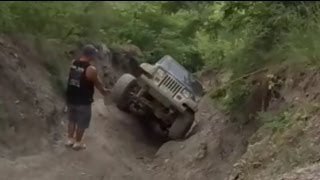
(186, 93)
(160, 73)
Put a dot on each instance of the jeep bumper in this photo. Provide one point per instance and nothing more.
(163, 98)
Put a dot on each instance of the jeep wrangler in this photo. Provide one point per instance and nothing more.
(165, 90)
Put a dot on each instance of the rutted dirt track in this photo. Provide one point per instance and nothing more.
(117, 150)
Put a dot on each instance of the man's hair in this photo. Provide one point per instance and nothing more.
(89, 50)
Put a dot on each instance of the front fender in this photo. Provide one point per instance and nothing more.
(191, 105)
(147, 69)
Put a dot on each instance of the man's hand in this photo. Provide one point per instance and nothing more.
(106, 91)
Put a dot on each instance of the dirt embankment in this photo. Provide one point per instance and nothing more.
(286, 146)
(29, 108)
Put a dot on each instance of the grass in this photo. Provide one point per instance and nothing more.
(231, 98)
(57, 72)
(55, 63)
(287, 118)
(277, 123)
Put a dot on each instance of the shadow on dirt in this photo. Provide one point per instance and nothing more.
(149, 129)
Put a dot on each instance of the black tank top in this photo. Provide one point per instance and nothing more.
(79, 90)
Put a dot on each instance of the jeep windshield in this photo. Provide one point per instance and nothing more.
(184, 76)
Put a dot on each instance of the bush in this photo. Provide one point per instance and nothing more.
(276, 123)
(55, 62)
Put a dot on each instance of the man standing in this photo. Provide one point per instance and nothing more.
(83, 77)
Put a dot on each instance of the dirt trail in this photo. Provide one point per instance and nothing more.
(117, 150)
(120, 148)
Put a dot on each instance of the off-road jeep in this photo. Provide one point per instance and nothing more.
(166, 90)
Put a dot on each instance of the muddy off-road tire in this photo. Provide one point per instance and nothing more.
(121, 91)
(181, 125)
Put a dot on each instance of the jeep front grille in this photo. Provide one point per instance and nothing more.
(169, 83)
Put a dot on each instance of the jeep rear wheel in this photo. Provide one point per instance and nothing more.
(122, 90)
(181, 125)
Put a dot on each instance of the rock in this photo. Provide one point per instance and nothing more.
(12, 129)
(152, 167)
(35, 101)
(140, 157)
(202, 151)
(22, 116)
(65, 110)
(166, 161)
(38, 112)
(182, 146)
(256, 165)
(13, 54)
(2, 42)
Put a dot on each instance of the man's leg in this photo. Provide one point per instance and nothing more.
(82, 124)
(71, 129)
(71, 125)
(79, 134)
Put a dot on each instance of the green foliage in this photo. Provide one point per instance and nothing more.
(285, 119)
(57, 67)
(54, 61)
(276, 123)
(240, 37)
(233, 97)
(141, 23)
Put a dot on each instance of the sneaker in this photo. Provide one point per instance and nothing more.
(78, 146)
(69, 142)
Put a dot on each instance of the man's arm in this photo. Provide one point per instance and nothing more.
(92, 75)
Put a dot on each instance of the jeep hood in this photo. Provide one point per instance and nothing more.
(179, 72)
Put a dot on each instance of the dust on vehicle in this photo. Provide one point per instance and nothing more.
(165, 93)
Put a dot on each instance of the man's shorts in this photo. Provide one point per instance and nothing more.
(80, 115)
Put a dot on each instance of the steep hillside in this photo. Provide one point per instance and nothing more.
(30, 109)
(289, 137)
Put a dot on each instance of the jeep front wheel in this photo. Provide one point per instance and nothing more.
(181, 125)
(122, 90)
